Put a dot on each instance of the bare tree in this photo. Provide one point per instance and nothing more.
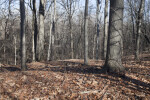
(105, 29)
(54, 28)
(113, 61)
(34, 30)
(41, 30)
(131, 3)
(86, 33)
(70, 24)
(6, 26)
(50, 36)
(98, 28)
(139, 27)
(69, 6)
(22, 33)
(15, 50)
(32, 6)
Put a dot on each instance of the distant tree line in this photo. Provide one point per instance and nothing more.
(64, 29)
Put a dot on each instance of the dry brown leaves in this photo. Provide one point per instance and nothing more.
(70, 79)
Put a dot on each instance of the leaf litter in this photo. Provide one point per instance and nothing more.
(71, 79)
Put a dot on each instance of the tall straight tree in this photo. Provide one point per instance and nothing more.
(98, 28)
(22, 35)
(54, 31)
(50, 37)
(139, 27)
(70, 28)
(105, 29)
(34, 30)
(86, 33)
(113, 61)
(41, 30)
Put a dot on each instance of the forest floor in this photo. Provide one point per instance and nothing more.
(70, 79)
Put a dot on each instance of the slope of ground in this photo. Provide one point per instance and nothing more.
(70, 79)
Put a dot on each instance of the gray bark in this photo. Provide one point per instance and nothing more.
(15, 50)
(6, 30)
(113, 61)
(41, 31)
(22, 33)
(105, 29)
(86, 33)
(70, 28)
(139, 28)
(98, 28)
(34, 31)
(133, 30)
(50, 38)
(53, 51)
(94, 46)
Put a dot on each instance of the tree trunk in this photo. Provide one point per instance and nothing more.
(34, 31)
(53, 52)
(22, 35)
(139, 28)
(105, 29)
(133, 31)
(15, 50)
(148, 22)
(98, 28)
(71, 37)
(50, 39)
(6, 31)
(85, 33)
(113, 61)
(70, 28)
(5, 54)
(41, 31)
(94, 46)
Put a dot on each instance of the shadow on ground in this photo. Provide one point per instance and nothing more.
(10, 69)
(72, 67)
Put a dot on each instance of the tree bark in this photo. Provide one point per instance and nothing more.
(15, 50)
(6, 31)
(133, 31)
(105, 29)
(34, 31)
(22, 35)
(113, 61)
(41, 31)
(94, 46)
(86, 33)
(139, 28)
(50, 38)
(69, 4)
(53, 52)
(98, 29)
